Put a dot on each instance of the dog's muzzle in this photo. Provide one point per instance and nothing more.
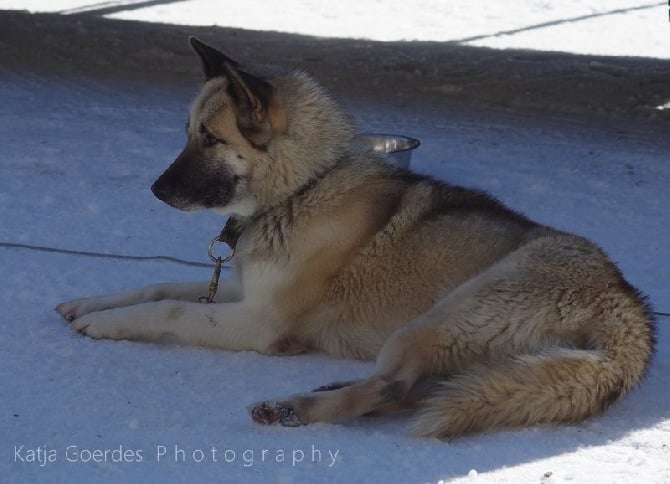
(191, 184)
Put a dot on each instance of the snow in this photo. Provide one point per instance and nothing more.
(79, 154)
(616, 27)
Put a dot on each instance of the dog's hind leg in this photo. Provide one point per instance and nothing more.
(459, 331)
(375, 396)
(330, 405)
(388, 388)
(416, 351)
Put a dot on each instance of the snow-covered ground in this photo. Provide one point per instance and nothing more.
(615, 27)
(78, 155)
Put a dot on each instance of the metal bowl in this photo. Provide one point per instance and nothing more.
(397, 148)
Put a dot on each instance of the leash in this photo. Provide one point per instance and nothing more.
(229, 235)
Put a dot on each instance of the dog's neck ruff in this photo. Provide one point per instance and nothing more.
(236, 224)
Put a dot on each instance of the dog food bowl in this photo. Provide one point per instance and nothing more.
(397, 148)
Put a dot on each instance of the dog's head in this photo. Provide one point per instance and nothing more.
(230, 123)
(244, 150)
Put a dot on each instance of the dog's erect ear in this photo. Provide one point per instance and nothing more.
(251, 94)
(213, 61)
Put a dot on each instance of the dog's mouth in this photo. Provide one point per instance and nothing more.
(180, 203)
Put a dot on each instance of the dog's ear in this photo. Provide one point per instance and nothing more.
(213, 61)
(251, 94)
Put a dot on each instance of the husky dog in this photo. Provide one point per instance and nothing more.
(476, 316)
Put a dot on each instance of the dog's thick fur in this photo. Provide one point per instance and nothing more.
(476, 315)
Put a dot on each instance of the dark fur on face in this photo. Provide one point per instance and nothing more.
(193, 182)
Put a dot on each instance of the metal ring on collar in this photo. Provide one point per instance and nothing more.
(210, 248)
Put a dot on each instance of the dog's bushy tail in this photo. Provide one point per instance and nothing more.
(555, 386)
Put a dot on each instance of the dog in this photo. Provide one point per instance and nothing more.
(477, 318)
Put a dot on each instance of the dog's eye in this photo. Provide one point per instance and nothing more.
(209, 140)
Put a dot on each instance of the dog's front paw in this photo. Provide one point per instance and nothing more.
(77, 308)
(72, 310)
(269, 413)
(99, 325)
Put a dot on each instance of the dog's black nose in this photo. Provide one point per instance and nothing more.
(159, 190)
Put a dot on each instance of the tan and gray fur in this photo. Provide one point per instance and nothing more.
(476, 316)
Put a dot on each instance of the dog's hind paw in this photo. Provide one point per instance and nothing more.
(269, 413)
